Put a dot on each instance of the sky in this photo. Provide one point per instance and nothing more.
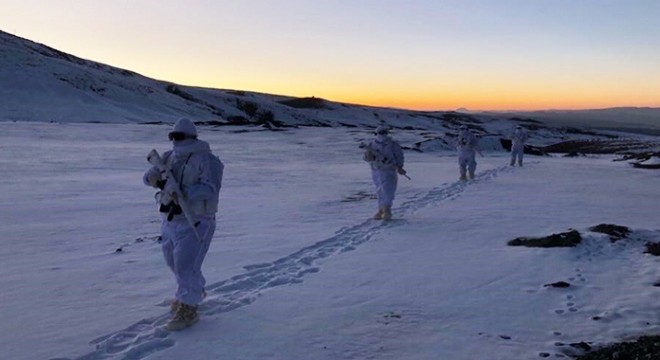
(414, 54)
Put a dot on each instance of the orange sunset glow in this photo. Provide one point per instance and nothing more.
(425, 55)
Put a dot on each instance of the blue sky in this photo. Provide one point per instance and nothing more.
(415, 54)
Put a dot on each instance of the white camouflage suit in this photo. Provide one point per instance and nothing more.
(518, 140)
(385, 157)
(467, 146)
(199, 174)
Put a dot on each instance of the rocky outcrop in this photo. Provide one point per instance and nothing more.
(566, 239)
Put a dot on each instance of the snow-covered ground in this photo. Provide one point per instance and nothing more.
(298, 271)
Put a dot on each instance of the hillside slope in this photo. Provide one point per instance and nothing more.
(40, 83)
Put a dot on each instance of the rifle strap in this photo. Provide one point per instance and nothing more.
(183, 170)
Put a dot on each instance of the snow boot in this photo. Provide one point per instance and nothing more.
(174, 305)
(513, 162)
(186, 315)
(387, 213)
(379, 214)
(463, 177)
(519, 162)
(471, 175)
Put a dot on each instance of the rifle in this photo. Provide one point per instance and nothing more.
(156, 160)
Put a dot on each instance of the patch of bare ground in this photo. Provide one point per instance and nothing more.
(644, 348)
(603, 146)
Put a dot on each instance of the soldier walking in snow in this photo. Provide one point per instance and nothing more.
(518, 140)
(467, 146)
(385, 157)
(189, 178)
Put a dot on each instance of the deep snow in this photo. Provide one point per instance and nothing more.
(298, 271)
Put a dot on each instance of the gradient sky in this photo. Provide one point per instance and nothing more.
(416, 54)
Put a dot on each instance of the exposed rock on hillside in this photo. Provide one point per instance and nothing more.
(565, 239)
(616, 232)
(601, 146)
(646, 347)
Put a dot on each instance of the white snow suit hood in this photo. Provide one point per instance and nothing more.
(185, 126)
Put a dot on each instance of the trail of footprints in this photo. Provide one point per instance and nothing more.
(593, 248)
(570, 305)
(149, 336)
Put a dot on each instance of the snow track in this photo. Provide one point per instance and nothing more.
(148, 336)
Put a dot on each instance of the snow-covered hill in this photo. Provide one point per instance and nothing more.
(39, 83)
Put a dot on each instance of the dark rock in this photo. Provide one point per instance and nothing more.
(559, 284)
(212, 123)
(236, 92)
(582, 346)
(574, 130)
(392, 315)
(646, 347)
(646, 166)
(652, 248)
(358, 196)
(616, 232)
(305, 103)
(567, 239)
(599, 146)
(573, 154)
(237, 120)
(528, 149)
(638, 156)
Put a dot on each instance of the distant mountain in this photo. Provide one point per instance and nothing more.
(638, 119)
